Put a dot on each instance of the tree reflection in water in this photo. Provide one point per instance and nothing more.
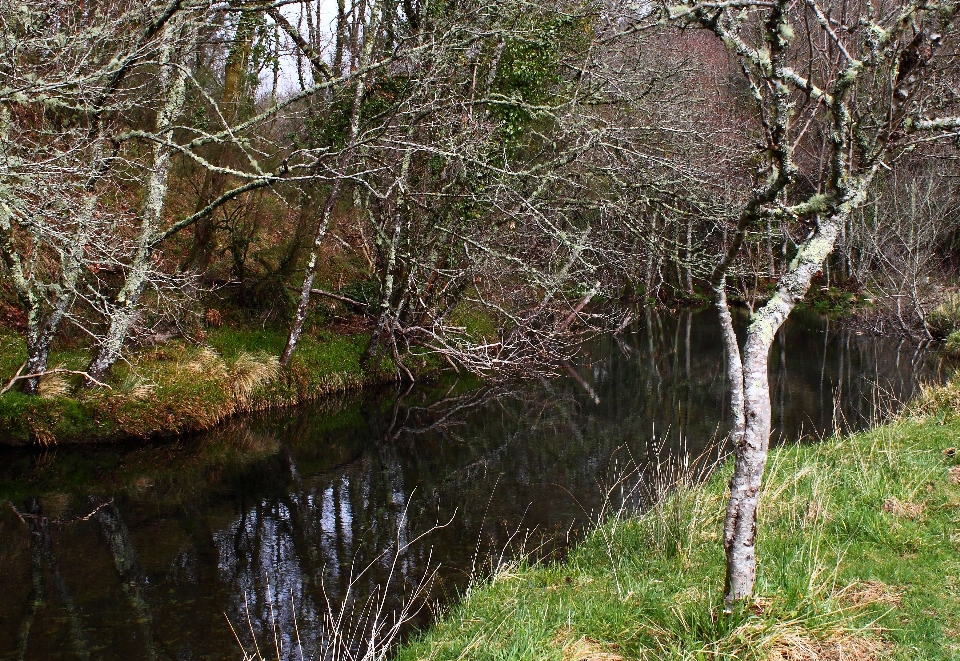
(281, 512)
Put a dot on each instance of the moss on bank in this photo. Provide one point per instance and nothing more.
(859, 549)
(178, 387)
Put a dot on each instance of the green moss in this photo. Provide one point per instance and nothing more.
(858, 547)
(477, 322)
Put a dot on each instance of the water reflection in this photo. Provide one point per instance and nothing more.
(138, 552)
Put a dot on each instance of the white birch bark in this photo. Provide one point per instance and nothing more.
(740, 525)
(173, 83)
(303, 303)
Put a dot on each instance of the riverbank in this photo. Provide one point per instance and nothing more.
(179, 387)
(859, 548)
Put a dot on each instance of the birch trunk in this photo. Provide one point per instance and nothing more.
(173, 81)
(750, 450)
(296, 329)
(42, 329)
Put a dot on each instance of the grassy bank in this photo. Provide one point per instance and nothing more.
(859, 549)
(179, 387)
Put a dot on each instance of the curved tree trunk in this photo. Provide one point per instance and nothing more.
(750, 449)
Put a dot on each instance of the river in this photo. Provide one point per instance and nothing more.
(272, 522)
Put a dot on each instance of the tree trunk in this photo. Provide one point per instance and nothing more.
(42, 329)
(155, 193)
(750, 449)
(296, 328)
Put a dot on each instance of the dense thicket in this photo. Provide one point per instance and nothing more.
(426, 166)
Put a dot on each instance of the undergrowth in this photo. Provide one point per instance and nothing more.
(179, 387)
(859, 558)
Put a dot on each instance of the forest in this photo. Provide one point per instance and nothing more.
(213, 207)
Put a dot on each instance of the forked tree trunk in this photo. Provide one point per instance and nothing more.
(752, 444)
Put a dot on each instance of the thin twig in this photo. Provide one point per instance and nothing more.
(58, 370)
(13, 380)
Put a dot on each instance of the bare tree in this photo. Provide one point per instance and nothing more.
(897, 244)
(64, 83)
(833, 91)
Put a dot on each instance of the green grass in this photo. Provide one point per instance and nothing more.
(859, 552)
(180, 387)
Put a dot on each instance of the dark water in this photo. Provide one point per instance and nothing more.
(140, 552)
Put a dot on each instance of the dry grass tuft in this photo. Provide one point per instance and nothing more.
(954, 474)
(584, 648)
(839, 647)
(815, 510)
(864, 593)
(251, 372)
(53, 386)
(136, 387)
(208, 362)
(903, 509)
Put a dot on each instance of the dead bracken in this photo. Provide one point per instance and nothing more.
(954, 474)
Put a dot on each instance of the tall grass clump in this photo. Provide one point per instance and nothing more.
(940, 402)
(251, 372)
